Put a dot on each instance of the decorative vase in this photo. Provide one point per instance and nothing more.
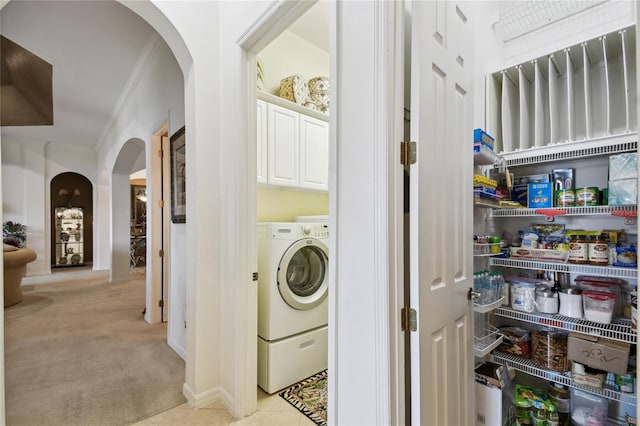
(75, 259)
(62, 260)
(64, 236)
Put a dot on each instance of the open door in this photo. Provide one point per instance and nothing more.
(441, 214)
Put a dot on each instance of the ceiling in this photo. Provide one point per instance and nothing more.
(93, 47)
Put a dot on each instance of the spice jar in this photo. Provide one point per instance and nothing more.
(546, 300)
(578, 249)
(598, 251)
(571, 302)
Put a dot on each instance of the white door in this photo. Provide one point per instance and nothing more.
(283, 146)
(441, 224)
(314, 153)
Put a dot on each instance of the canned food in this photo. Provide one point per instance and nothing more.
(565, 198)
(587, 196)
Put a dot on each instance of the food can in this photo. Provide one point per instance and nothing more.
(565, 198)
(587, 196)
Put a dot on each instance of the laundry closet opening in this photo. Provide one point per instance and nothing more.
(292, 153)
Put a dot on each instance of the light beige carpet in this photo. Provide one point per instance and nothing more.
(78, 352)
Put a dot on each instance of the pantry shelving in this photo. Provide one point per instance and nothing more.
(603, 271)
(528, 366)
(567, 211)
(620, 329)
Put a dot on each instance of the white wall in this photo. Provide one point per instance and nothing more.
(27, 170)
(290, 54)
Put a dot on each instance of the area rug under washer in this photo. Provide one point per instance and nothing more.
(309, 396)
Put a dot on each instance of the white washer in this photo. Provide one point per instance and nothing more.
(292, 302)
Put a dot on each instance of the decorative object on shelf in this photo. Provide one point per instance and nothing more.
(178, 177)
(75, 259)
(62, 260)
(64, 236)
(294, 88)
(319, 93)
(14, 233)
(69, 250)
(260, 74)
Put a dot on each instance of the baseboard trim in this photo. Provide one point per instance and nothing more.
(178, 349)
(208, 397)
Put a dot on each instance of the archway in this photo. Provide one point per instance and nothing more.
(71, 212)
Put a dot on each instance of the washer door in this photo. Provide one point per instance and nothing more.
(303, 274)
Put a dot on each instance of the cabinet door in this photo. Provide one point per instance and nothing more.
(314, 153)
(261, 139)
(283, 144)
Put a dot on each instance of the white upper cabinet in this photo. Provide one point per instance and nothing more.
(314, 153)
(293, 147)
(261, 138)
(283, 145)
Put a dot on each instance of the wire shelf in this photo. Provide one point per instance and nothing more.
(620, 329)
(490, 340)
(568, 211)
(575, 150)
(601, 271)
(532, 15)
(528, 366)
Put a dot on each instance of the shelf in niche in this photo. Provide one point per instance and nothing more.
(620, 330)
(529, 367)
(602, 271)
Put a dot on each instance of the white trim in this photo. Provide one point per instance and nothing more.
(135, 76)
(210, 396)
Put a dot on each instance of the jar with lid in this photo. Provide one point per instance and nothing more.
(598, 250)
(559, 395)
(578, 249)
(571, 302)
(546, 300)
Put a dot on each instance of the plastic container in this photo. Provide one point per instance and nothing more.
(549, 349)
(606, 285)
(588, 409)
(598, 306)
(547, 301)
(571, 302)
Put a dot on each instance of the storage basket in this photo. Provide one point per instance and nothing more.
(294, 88)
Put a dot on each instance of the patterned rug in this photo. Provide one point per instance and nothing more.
(310, 397)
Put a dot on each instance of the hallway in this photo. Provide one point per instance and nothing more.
(78, 352)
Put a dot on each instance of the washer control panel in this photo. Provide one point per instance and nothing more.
(315, 230)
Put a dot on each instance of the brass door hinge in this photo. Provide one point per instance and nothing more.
(160, 253)
(161, 203)
(408, 153)
(254, 276)
(160, 153)
(408, 319)
(161, 303)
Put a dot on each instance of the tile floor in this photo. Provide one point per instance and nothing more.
(273, 410)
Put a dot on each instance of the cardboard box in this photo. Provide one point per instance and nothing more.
(598, 352)
(540, 195)
(521, 187)
(493, 394)
(587, 376)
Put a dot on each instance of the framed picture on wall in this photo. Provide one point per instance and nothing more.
(178, 182)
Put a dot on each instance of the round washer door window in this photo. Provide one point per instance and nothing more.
(302, 274)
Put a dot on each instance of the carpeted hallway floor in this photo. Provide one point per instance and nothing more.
(78, 352)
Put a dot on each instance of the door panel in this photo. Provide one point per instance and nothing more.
(441, 214)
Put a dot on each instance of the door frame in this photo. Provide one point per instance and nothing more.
(157, 266)
(366, 364)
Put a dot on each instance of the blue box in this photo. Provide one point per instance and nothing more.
(480, 135)
(540, 194)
